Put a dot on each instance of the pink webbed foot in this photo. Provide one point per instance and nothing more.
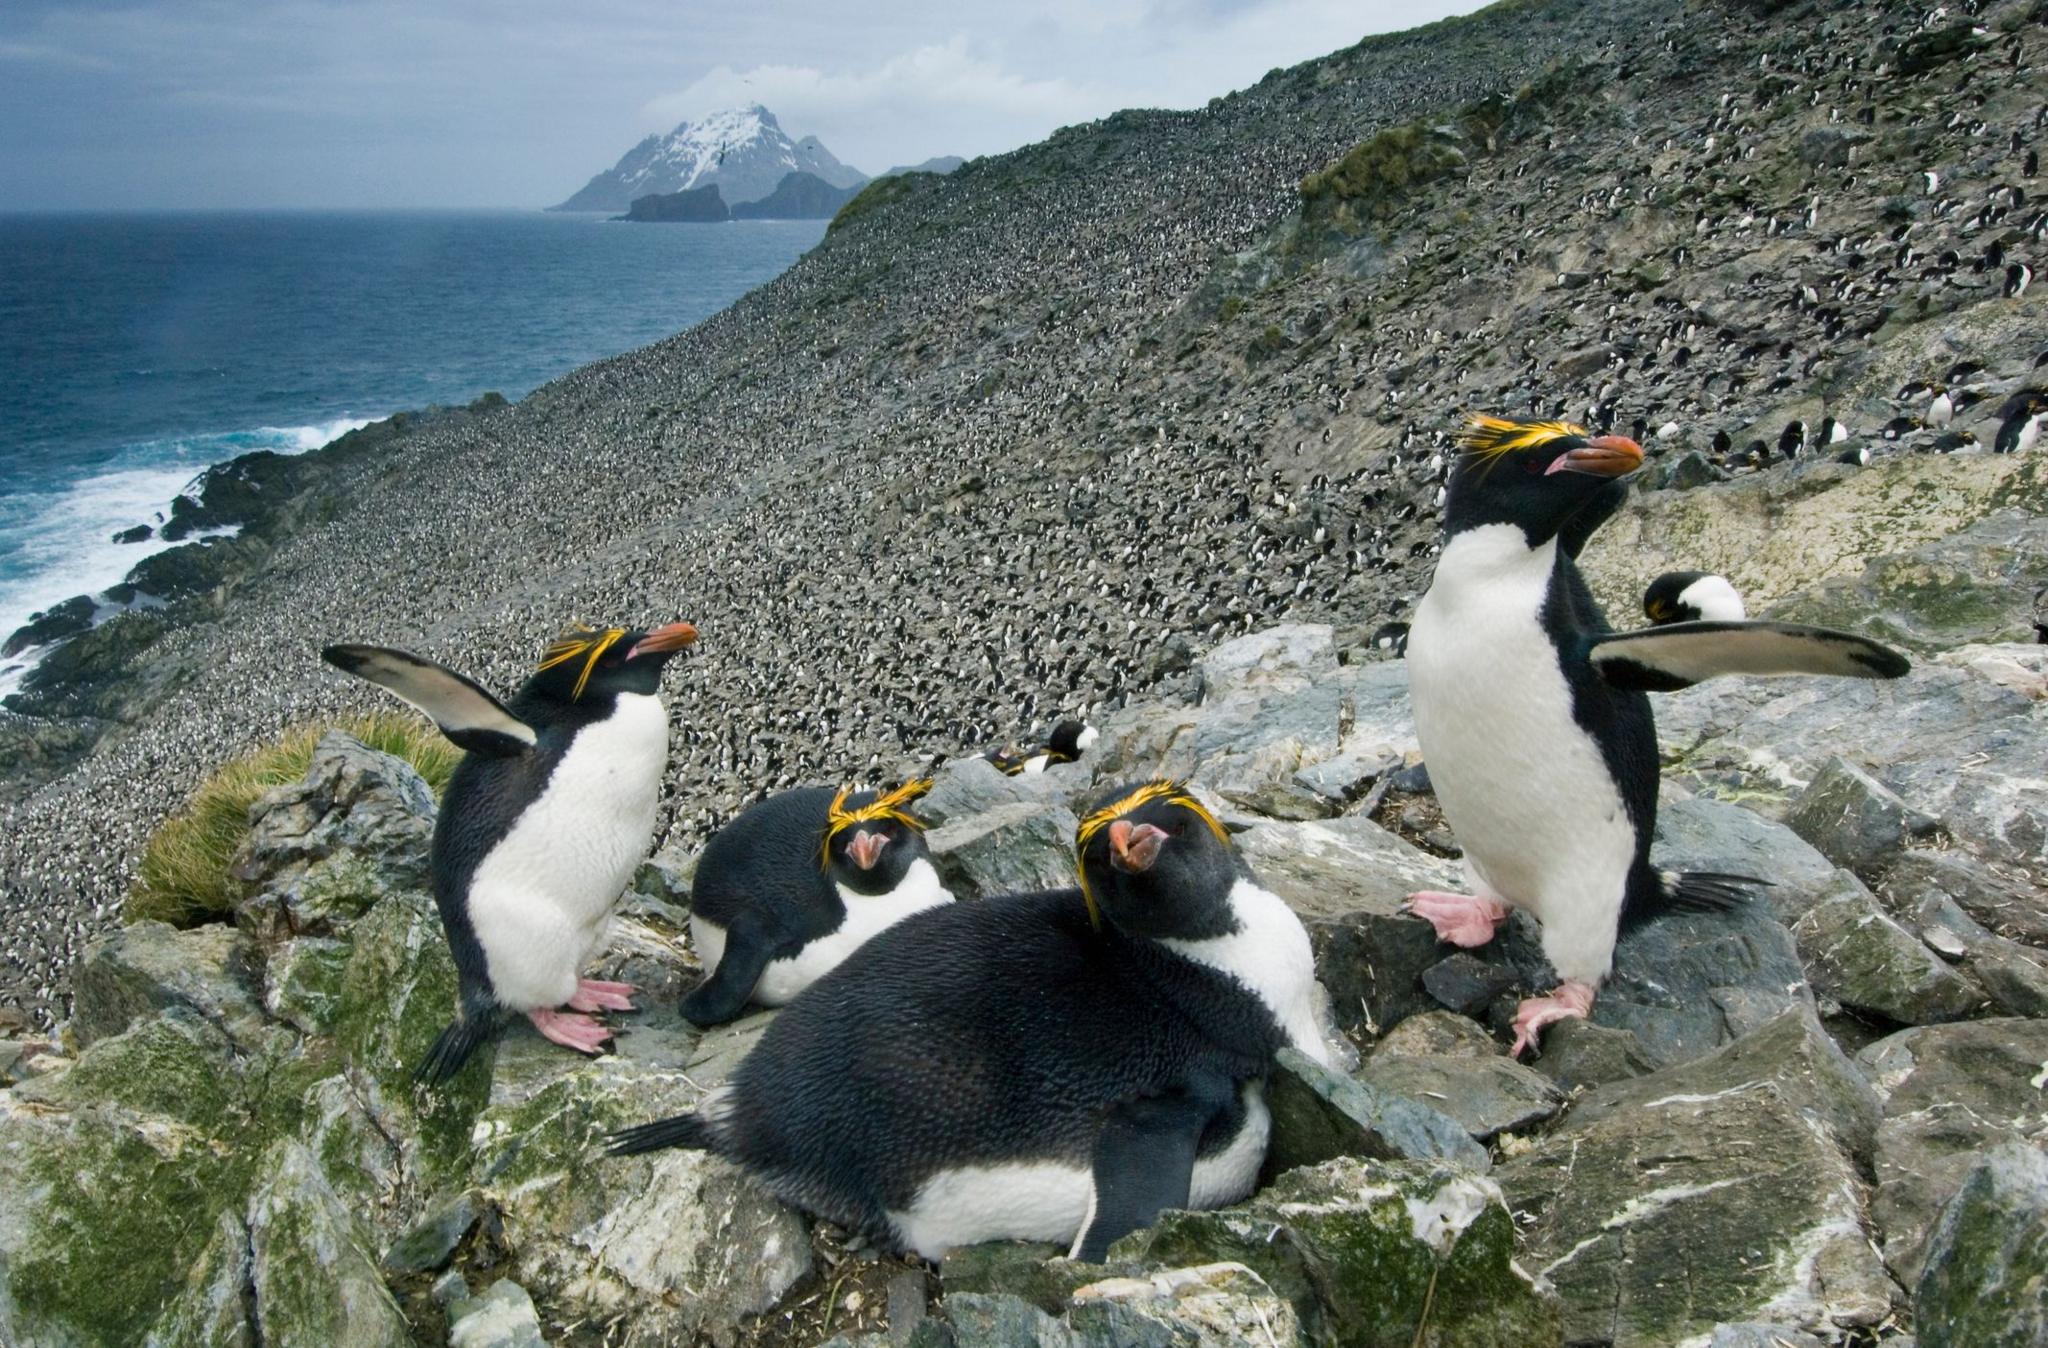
(591, 995)
(1462, 919)
(1565, 1001)
(570, 1029)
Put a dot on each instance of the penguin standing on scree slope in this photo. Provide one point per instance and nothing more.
(542, 825)
(796, 884)
(1055, 1066)
(1531, 714)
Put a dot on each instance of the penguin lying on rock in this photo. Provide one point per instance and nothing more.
(1067, 742)
(1053, 1066)
(1532, 716)
(797, 883)
(1690, 597)
(542, 825)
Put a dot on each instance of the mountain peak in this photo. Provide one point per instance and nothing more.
(744, 150)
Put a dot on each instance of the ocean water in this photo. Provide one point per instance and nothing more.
(138, 349)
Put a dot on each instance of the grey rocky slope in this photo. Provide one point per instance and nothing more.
(1814, 1120)
(1018, 441)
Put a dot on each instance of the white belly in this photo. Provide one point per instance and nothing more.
(866, 915)
(542, 900)
(1048, 1200)
(1269, 954)
(1522, 785)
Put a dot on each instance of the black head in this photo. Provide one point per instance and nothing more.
(1156, 864)
(1664, 601)
(595, 665)
(1535, 475)
(871, 839)
(1069, 740)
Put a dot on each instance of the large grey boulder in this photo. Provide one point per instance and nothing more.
(321, 850)
(1371, 1253)
(1855, 820)
(1858, 955)
(1019, 847)
(1733, 1169)
(1986, 1280)
(1951, 1093)
(1346, 878)
(1320, 1114)
(1958, 739)
(1488, 1094)
(311, 1261)
(503, 1317)
(147, 967)
(678, 1242)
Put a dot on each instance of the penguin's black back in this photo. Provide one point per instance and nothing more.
(973, 1034)
(1619, 720)
(767, 861)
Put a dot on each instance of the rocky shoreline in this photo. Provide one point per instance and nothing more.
(1824, 1109)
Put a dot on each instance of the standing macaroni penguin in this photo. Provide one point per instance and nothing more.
(796, 884)
(1532, 716)
(1055, 1066)
(541, 827)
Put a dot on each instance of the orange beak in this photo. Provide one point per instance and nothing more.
(1133, 850)
(673, 637)
(1602, 456)
(866, 848)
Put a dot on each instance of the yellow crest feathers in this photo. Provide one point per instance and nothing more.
(586, 642)
(1161, 789)
(1487, 436)
(892, 805)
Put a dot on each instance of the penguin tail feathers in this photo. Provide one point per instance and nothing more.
(1708, 891)
(688, 1131)
(452, 1049)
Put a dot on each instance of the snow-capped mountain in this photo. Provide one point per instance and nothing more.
(743, 150)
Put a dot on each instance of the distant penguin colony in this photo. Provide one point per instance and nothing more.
(1055, 1066)
(1532, 716)
(798, 882)
(545, 819)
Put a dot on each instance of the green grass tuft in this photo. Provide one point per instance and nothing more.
(183, 878)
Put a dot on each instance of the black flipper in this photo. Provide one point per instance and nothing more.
(724, 995)
(1144, 1163)
(688, 1131)
(464, 1035)
(466, 714)
(1679, 655)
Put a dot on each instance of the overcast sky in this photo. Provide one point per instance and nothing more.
(378, 103)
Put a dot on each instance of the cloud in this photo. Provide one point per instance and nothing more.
(935, 99)
(1073, 61)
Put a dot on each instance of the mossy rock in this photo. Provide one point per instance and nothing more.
(314, 1272)
(1374, 178)
(214, 1308)
(1373, 1254)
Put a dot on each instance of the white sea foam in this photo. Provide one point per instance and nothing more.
(58, 543)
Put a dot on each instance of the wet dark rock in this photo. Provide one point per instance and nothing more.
(1466, 983)
(138, 533)
(55, 623)
(1578, 1053)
